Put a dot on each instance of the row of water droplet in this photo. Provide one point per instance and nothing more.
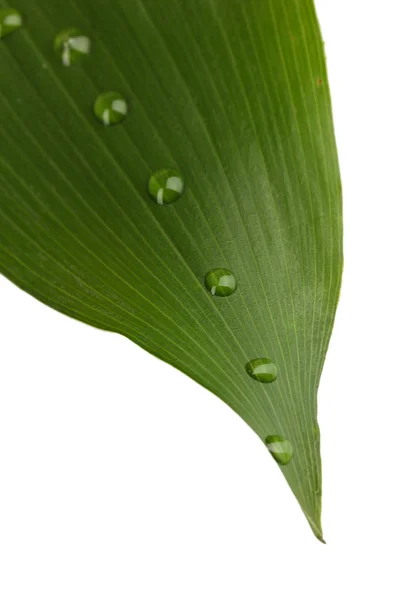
(165, 187)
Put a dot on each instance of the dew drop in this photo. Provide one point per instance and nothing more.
(220, 282)
(280, 448)
(166, 186)
(71, 45)
(262, 369)
(110, 108)
(10, 20)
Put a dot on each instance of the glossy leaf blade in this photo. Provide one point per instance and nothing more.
(233, 96)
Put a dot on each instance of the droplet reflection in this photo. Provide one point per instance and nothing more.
(166, 186)
(220, 282)
(110, 108)
(10, 21)
(280, 448)
(262, 369)
(71, 46)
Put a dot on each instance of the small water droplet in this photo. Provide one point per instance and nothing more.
(280, 448)
(110, 108)
(10, 20)
(220, 282)
(166, 186)
(262, 369)
(71, 45)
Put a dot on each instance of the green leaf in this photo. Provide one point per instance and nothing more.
(232, 96)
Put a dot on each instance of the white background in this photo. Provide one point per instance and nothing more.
(121, 478)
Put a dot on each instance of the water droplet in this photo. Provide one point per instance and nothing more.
(10, 20)
(166, 186)
(280, 448)
(262, 369)
(220, 282)
(71, 45)
(110, 108)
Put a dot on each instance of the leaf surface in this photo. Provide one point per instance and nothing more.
(233, 95)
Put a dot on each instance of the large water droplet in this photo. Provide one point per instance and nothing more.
(220, 282)
(10, 20)
(166, 186)
(110, 108)
(280, 448)
(262, 369)
(71, 46)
